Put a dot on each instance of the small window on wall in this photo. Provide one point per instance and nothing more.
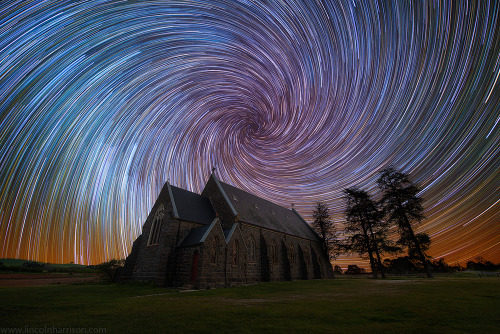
(292, 254)
(236, 253)
(154, 234)
(307, 257)
(274, 252)
(213, 252)
(252, 249)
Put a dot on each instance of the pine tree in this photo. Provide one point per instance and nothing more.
(324, 227)
(404, 208)
(367, 233)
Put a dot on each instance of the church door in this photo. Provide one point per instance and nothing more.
(194, 267)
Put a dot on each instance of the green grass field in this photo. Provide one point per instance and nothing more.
(441, 305)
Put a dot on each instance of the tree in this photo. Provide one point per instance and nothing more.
(368, 234)
(424, 240)
(403, 207)
(324, 227)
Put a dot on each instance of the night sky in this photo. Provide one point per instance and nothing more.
(102, 102)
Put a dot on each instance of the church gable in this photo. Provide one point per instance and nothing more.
(191, 207)
(220, 202)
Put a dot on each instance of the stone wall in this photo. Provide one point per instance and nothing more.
(252, 255)
(280, 257)
(125, 273)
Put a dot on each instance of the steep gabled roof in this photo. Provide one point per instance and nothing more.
(198, 235)
(258, 211)
(195, 236)
(191, 206)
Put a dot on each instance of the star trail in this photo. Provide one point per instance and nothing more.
(102, 102)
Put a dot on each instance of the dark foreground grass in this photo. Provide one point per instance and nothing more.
(440, 305)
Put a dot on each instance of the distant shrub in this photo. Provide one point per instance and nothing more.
(337, 270)
(32, 264)
(109, 268)
(353, 269)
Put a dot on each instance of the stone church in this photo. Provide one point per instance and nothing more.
(223, 237)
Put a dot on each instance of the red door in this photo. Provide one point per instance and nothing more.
(194, 267)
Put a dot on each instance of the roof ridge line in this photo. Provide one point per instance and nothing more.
(231, 231)
(209, 229)
(172, 200)
(233, 210)
(303, 220)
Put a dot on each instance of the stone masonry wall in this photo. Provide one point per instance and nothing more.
(286, 257)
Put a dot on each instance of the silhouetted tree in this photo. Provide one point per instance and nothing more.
(424, 240)
(482, 265)
(404, 208)
(368, 234)
(401, 265)
(407, 265)
(324, 227)
(441, 266)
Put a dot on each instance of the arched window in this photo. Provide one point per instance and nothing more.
(307, 257)
(252, 249)
(154, 234)
(213, 251)
(274, 252)
(236, 253)
(292, 254)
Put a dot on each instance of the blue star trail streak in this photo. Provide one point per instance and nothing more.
(101, 102)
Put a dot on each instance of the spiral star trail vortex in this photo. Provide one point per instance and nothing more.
(102, 102)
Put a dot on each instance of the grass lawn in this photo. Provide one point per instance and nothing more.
(441, 305)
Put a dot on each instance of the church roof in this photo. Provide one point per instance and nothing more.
(195, 236)
(258, 211)
(198, 235)
(191, 206)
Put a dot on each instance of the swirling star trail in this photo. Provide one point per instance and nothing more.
(102, 102)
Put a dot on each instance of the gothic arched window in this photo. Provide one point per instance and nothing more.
(274, 252)
(307, 257)
(154, 234)
(213, 251)
(252, 249)
(292, 254)
(236, 253)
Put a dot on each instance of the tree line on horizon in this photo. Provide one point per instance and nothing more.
(367, 224)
